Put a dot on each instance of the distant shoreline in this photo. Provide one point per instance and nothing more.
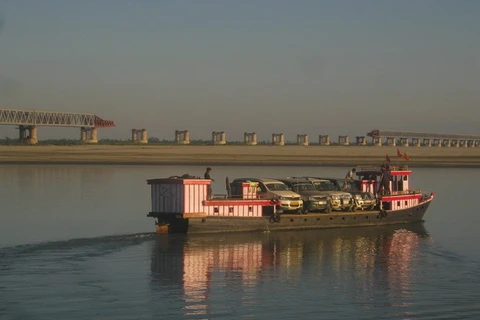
(260, 155)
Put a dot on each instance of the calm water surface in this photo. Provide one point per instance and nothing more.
(75, 243)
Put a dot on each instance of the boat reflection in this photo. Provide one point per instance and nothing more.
(367, 258)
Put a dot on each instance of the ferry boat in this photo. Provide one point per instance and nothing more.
(180, 204)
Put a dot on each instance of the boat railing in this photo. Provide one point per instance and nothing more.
(219, 196)
(405, 192)
(378, 168)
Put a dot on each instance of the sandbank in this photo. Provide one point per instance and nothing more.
(238, 155)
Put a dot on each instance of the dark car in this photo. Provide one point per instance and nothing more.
(346, 185)
(341, 199)
(313, 199)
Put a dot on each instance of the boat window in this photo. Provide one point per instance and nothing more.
(261, 188)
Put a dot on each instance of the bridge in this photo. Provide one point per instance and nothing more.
(429, 139)
(29, 120)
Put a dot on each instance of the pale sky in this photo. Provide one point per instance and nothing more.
(317, 67)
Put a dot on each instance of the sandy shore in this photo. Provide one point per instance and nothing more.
(237, 155)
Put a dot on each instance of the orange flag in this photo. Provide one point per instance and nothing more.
(399, 154)
(387, 158)
(406, 157)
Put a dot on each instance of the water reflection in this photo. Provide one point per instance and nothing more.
(235, 267)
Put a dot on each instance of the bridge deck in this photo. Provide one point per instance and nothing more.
(410, 134)
(52, 118)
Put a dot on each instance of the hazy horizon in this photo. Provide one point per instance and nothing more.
(292, 67)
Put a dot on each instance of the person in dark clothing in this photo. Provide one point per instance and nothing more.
(388, 177)
(209, 187)
(385, 179)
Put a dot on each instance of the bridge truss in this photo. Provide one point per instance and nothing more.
(52, 118)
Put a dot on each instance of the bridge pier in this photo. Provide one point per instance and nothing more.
(416, 142)
(377, 141)
(427, 142)
(343, 140)
(446, 143)
(302, 139)
(143, 136)
(182, 137)
(88, 135)
(27, 134)
(404, 142)
(361, 140)
(324, 140)
(437, 142)
(219, 137)
(391, 141)
(250, 139)
(278, 139)
(473, 143)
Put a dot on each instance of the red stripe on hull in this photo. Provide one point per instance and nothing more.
(398, 198)
(400, 173)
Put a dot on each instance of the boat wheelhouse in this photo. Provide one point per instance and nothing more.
(400, 197)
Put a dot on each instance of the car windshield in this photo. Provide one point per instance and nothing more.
(299, 187)
(324, 185)
(276, 187)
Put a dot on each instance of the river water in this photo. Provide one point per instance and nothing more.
(75, 243)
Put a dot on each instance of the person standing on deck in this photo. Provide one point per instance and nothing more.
(385, 178)
(209, 188)
(228, 187)
(388, 178)
(350, 174)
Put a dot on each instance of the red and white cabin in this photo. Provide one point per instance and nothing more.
(188, 197)
(400, 197)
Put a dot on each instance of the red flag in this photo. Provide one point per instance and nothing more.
(399, 154)
(406, 157)
(387, 158)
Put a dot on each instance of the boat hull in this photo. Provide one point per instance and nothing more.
(219, 224)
